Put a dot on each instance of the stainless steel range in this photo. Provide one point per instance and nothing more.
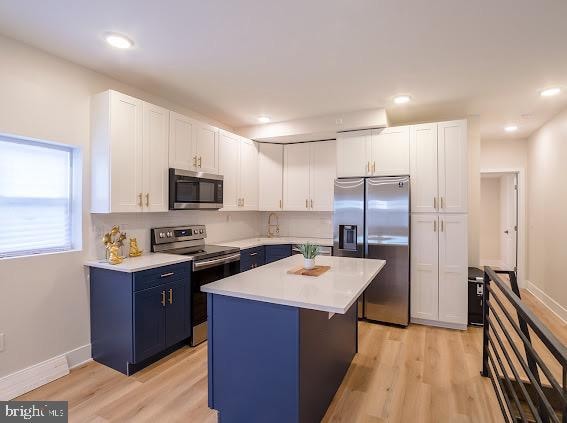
(210, 263)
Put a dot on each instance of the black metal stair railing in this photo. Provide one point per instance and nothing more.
(516, 375)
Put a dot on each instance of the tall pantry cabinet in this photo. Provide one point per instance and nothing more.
(439, 205)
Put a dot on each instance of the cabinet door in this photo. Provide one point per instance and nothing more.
(176, 312)
(270, 184)
(424, 266)
(149, 322)
(229, 166)
(453, 166)
(181, 154)
(248, 174)
(277, 252)
(423, 168)
(391, 151)
(353, 153)
(296, 176)
(127, 154)
(205, 147)
(323, 171)
(453, 259)
(155, 137)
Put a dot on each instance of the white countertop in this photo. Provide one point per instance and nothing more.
(144, 262)
(256, 242)
(335, 291)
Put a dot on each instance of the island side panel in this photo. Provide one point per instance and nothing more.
(253, 360)
(327, 347)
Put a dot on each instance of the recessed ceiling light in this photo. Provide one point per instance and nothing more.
(511, 128)
(550, 92)
(402, 99)
(119, 41)
(263, 119)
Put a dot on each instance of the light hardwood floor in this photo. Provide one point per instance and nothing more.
(418, 374)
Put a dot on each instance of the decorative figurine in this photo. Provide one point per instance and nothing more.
(112, 242)
(134, 250)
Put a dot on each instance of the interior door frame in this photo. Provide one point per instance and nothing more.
(521, 235)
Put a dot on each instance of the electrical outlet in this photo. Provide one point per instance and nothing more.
(1, 342)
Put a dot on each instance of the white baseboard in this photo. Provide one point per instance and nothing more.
(30, 378)
(439, 324)
(549, 302)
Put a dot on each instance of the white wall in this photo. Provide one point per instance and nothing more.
(504, 154)
(547, 208)
(490, 252)
(44, 307)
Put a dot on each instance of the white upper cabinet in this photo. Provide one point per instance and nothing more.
(353, 154)
(205, 148)
(323, 171)
(453, 166)
(390, 150)
(439, 167)
(238, 163)
(129, 149)
(270, 184)
(193, 145)
(248, 174)
(181, 142)
(423, 143)
(424, 266)
(309, 176)
(296, 176)
(453, 262)
(155, 139)
(229, 167)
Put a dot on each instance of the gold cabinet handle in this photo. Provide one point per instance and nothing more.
(200, 161)
(170, 295)
(147, 199)
(140, 200)
(442, 203)
(306, 203)
(373, 167)
(163, 298)
(434, 226)
(435, 203)
(368, 167)
(280, 204)
(194, 161)
(242, 201)
(311, 203)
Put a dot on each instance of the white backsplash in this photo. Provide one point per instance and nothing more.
(301, 224)
(221, 226)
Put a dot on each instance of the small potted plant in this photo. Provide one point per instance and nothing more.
(309, 251)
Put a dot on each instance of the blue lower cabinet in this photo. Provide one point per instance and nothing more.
(137, 318)
(252, 258)
(277, 252)
(149, 323)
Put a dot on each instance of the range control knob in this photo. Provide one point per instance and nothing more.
(161, 235)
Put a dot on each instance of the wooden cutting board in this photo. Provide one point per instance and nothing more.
(316, 271)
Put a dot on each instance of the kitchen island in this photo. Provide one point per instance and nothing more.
(280, 344)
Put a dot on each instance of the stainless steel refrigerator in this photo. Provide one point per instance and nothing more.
(372, 220)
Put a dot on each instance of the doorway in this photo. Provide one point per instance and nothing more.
(499, 220)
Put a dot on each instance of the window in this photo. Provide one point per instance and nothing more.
(35, 197)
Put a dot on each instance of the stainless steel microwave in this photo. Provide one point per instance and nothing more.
(194, 190)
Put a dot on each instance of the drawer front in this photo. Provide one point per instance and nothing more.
(251, 258)
(277, 252)
(161, 275)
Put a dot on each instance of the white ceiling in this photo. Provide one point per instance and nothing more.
(235, 60)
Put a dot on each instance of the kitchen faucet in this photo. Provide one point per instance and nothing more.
(271, 225)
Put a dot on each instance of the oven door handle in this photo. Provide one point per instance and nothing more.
(215, 262)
